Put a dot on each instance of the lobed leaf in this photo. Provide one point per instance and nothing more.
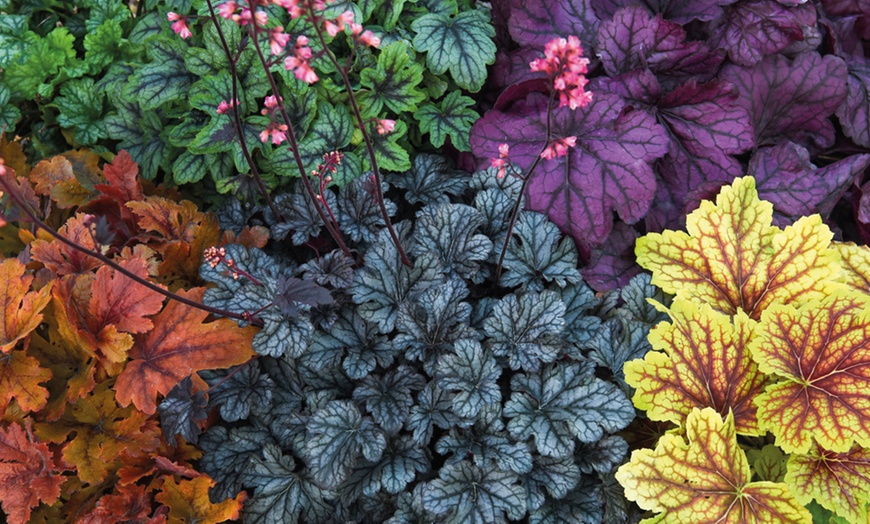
(839, 482)
(20, 308)
(472, 495)
(461, 44)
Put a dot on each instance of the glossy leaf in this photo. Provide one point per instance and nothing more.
(734, 260)
(701, 360)
(820, 354)
(162, 358)
(705, 478)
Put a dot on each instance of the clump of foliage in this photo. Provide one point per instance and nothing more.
(769, 338)
(86, 350)
(687, 96)
(436, 390)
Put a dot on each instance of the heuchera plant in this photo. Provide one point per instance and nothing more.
(687, 96)
(87, 345)
(769, 337)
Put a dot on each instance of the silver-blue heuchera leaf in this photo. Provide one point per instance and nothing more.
(636, 305)
(238, 390)
(251, 260)
(399, 464)
(359, 215)
(299, 215)
(282, 335)
(581, 504)
(581, 324)
(617, 341)
(464, 493)
(556, 476)
(602, 455)
(434, 407)
(234, 215)
(332, 269)
(449, 231)
(182, 411)
(409, 508)
(385, 282)
(487, 443)
(429, 324)
(617, 509)
(527, 329)
(431, 180)
(353, 342)
(388, 398)
(538, 255)
(283, 495)
(471, 373)
(227, 456)
(495, 198)
(337, 436)
(562, 403)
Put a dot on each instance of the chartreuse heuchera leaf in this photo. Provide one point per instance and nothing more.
(839, 482)
(702, 360)
(820, 352)
(705, 477)
(733, 259)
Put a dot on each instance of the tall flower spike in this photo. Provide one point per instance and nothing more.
(566, 66)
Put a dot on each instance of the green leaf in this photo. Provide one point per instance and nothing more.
(9, 114)
(163, 80)
(454, 117)
(393, 82)
(103, 45)
(468, 494)
(389, 154)
(337, 436)
(42, 58)
(189, 168)
(462, 44)
(147, 26)
(81, 109)
(13, 38)
(105, 10)
(139, 133)
(332, 130)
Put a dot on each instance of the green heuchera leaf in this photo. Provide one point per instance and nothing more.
(281, 494)
(463, 44)
(163, 80)
(104, 45)
(471, 373)
(13, 37)
(564, 402)
(393, 82)
(337, 436)
(464, 493)
(140, 133)
(9, 114)
(452, 116)
(40, 59)
(389, 153)
(81, 109)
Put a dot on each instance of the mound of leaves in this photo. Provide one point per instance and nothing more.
(436, 392)
(687, 96)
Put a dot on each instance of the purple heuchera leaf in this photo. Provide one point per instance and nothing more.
(536, 22)
(513, 67)
(785, 177)
(854, 112)
(636, 39)
(608, 170)
(846, 7)
(612, 264)
(679, 11)
(751, 30)
(791, 100)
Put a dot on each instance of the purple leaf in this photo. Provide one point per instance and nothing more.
(612, 264)
(854, 112)
(679, 11)
(785, 177)
(751, 30)
(536, 22)
(292, 291)
(636, 39)
(513, 67)
(608, 170)
(846, 7)
(791, 100)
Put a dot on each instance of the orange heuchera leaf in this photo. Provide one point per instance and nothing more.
(856, 265)
(822, 352)
(29, 474)
(20, 308)
(704, 363)
(838, 481)
(706, 479)
(182, 259)
(122, 179)
(103, 432)
(62, 259)
(188, 502)
(734, 259)
(13, 156)
(129, 503)
(20, 376)
(171, 220)
(180, 344)
(71, 369)
(250, 236)
(54, 177)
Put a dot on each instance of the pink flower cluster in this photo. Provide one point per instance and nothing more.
(503, 161)
(558, 147)
(179, 24)
(565, 64)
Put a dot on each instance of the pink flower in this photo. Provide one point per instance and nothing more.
(559, 147)
(227, 9)
(224, 107)
(334, 27)
(366, 38)
(503, 161)
(385, 126)
(179, 24)
(565, 64)
(299, 61)
(278, 132)
(278, 40)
